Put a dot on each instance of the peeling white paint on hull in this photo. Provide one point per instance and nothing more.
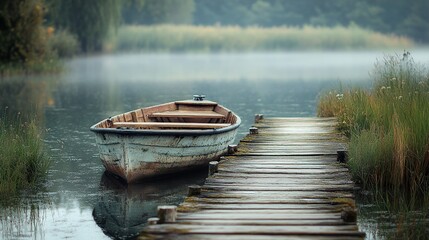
(136, 157)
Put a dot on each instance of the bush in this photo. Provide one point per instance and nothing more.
(63, 43)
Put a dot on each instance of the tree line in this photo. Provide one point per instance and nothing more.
(401, 17)
(22, 36)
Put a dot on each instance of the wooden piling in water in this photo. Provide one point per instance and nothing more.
(342, 156)
(253, 130)
(232, 149)
(213, 167)
(285, 182)
(152, 221)
(194, 190)
(258, 117)
(167, 214)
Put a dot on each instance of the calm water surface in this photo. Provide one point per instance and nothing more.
(80, 201)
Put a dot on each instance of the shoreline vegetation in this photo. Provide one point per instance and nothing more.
(189, 38)
(57, 45)
(23, 162)
(396, 218)
(37, 34)
(387, 127)
(388, 133)
(62, 44)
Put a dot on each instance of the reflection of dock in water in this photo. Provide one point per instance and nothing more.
(122, 210)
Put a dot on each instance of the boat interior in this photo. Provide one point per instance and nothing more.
(190, 114)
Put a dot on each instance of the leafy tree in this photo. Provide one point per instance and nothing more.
(158, 11)
(22, 38)
(224, 12)
(416, 21)
(178, 11)
(368, 16)
(90, 20)
(132, 11)
(261, 11)
(401, 17)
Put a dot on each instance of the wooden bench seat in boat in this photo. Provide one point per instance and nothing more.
(196, 103)
(188, 114)
(170, 125)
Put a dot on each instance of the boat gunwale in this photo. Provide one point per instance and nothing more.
(164, 132)
(169, 132)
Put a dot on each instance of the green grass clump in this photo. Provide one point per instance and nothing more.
(180, 38)
(387, 126)
(22, 160)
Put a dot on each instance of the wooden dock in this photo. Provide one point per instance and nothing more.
(284, 182)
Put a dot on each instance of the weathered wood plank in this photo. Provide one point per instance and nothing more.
(266, 200)
(287, 181)
(282, 171)
(280, 188)
(322, 152)
(287, 147)
(169, 125)
(186, 236)
(188, 114)
(280, 166)
(269, 222)
(242, 160)
(192, 206)
(259, 212)
(345, 230)
(275, 195)
(291, 144)
(328, 175)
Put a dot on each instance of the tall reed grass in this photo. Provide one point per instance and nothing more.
(232, 38)
(22, 160)
(387, 125)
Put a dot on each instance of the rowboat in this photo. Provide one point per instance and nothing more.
(166, 138)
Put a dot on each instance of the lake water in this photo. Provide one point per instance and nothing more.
(79, 201)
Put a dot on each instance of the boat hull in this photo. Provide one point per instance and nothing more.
(137, 156)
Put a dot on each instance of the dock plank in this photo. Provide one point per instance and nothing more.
(185, 236)
(341, 230)
(282, 183)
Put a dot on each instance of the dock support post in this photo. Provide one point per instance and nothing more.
(258, 117)
(167, 214)
(253, 130)
(194, 190)
(349, 215)
(152, 221)
(213, 167)
(342, 156)
(232, 149)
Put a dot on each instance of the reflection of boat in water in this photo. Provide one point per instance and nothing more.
(122, 211)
